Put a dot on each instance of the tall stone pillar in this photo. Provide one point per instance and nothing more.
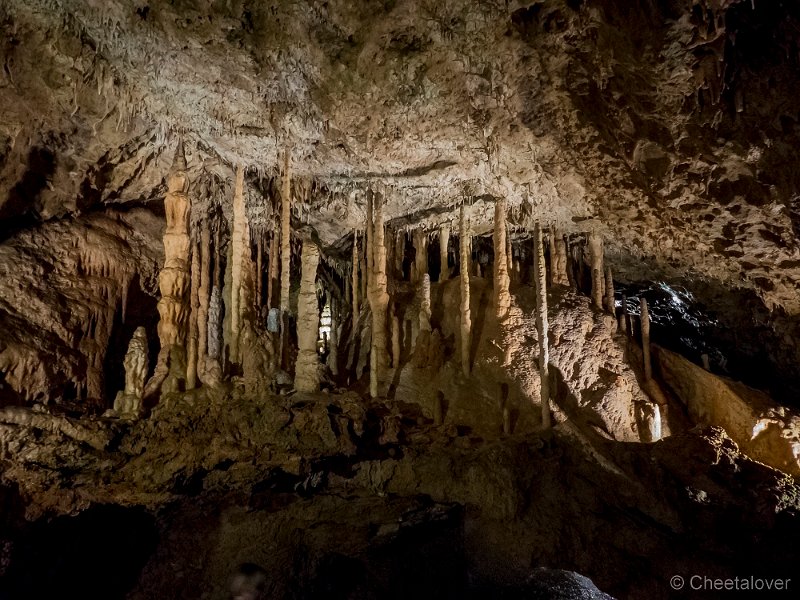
(306, 377)
(502, 295)
(466, 320)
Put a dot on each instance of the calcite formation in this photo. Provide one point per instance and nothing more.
(128, 402)
(174, 279)
(306, 377)
(443, 292)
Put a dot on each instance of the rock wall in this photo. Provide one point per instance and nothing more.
(763, 430)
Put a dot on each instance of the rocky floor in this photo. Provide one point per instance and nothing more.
(334, 496)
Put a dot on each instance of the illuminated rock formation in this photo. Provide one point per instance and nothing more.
(502, 295)
(596, 266)
(174, 278)
(465, 319)
(128, 402)
(540, 279)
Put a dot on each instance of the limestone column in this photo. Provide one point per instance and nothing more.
(399, 253)
(558, 257)
(645, 316)
(444, 241)
(356, 306)
(466, 321)
(502, 296)
(421, 256)
(286, 250)
(395, 341)
(240, 237)
(203, 293)
(272, 281)
(609, 289)
(306, 377)
(259, 278)
(173, 280)
(540, 276)
(333, 354)
(596, 261)
(194, 330)
(379, 297)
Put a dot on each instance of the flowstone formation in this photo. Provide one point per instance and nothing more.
(397, 299)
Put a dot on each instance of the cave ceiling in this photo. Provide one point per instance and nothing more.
(669, 125)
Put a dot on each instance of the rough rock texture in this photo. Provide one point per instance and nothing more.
(275, 481)
(306, 377)
(766, 432)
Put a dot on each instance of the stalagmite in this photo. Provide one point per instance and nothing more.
(286, 250)
(364, 278)
(240, 237)
(624, 318)
(540, 276)
(425, 303)
(203, 293)
(128, 402)
(356, 305)
(466, 321)
(611, 306)
(645, 317)
(272, 281)
(259, 275)
(421, 256)
(194, 330)
(173, 307)
(502, 296)
(214, 323)
(378, 296)
(596, 260)
(558, 259)
(395, 341)
(333, 353)
(444, 241)
(306, 377)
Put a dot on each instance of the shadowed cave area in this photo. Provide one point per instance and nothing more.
(399, 299)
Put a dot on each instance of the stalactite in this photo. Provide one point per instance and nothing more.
(466, 321)
(239, 242)
(379, 298)
(540, 275)
(399, 254)
(173, 307)
(502, 295)
(596, 262)
(444, 242)
(611, 306)
(354, 275)
(645, 317)
(194, 297)
(306, 377)
(203, 293)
